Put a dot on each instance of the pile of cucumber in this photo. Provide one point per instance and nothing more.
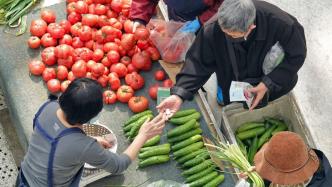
(188, 150)
(251, 136)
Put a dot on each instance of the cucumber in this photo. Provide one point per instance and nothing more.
(197, 125)
(128, 127)
(181, 129)
(201, 174)
(183, 113)
(137, 116)
(252, 150)
(188, 149)
(186, 142)
(198, 168)
(154, 147)
(154, 160)
(138, 124)
(273, 121)
(281, 127)
(251, 133)
(182, 120)
(154, 152)
(191, 155)
(249, 125)
(247, 142)
(265, 137)
(216, 181)
(204, 180)
(185, 135)
(127, 135)
(152, 141)
(197, 160)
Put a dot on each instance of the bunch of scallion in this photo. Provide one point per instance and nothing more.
(231, 153)
(13, 11)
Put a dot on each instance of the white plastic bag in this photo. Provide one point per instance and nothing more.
(273, 58)
(167, 183)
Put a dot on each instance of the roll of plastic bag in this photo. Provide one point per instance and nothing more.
(273, 58)
(167, 183)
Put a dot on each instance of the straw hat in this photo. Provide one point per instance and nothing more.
(286, 159)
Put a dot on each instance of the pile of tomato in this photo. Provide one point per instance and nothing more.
(95, 41)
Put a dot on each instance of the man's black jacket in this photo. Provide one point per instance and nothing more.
(209, 54)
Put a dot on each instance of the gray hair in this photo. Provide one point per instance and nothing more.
(236, 15)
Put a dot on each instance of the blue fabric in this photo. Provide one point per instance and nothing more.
(220, 98)
(191, 26)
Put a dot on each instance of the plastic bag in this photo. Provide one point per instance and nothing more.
(171, 43)
(167, 183)
(273, 58)
(242, 183)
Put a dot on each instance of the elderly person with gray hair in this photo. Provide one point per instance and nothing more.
(234, 47)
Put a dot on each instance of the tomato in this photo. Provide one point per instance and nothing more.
(63, 51)
(64, 85)
(70, 1)
(168, 83)
(89, 20)
(131, 68)
(66, 39)
(38, 27)
(128, 26)
(111, 14)
(75, 29)
(103, 80)
(71, 7)
(106, 71)
(142, 44)
(65, 24)
(109, 34)
(97, 45)
(103, 21)
(133, 51)
(122, 51)
(124, 93)
(110, 46)
(126, 60)
(81, 7)
(85, 33)
(115, 23)
(68, 62)
(114, 82)
(34, 42)
(100, 9)
(121, 18)
(113, 75)
(89, 44)
(116, 6)
(82, 54)
(109, 97)
(48, 56)
(53, 85)
(154, 53)
(135, 80)
(55, 30)
(98, 69)
(142, 34)
(48, 41)
(127, 41)
(113, 56)
(36, 67)
(48, 74)
(119, 69)
(62, 72)
(106, 62)
(89, 65)
(98, 54)
(71, 76)
(140, 60)
(79, 69)
(74, 17)
(153, 91)
(48, 15)
(138, 104)
(77, 43)
(160, 75)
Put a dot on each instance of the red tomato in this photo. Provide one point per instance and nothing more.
(65, 24)
(68, 62)
(160, 75)
(109, 34)
(74, 17)
(110, 46)
(121, 18)
(64, 85)
(48, 56)
(71, 76)
(111, 14)
(89, 19)
(140, 60)
(142, 34)
(55, 30)
(53, 85)
(115, 23)
(127, 41)
(38, 27)
(103, 80)
(142, 44)
(114, 82)
(81, 7)
(154, 53)
(113, 56)
(98, 54)
(113, 75)
(116, 6)
(103, 21)
(125, 10)
(153, 91)
(85, 33)
(47, 40)
(89, 44)
(138, 104)
(106, 71)
(97, 45)
(128, 26)
(82, 54)
(89, 65)
(98, 69)
(62, 72)
(119, 69)
(79, 69)
(63, 51)
(34, 42)
(106, 62)
(71, 7)
(66, 39)
(48, 74)
(36, 67)
(126, 60)
(131, 68)
(122, 51)
(135, 80)
(168, 83)
(109, 97)
(124, 93)
(75, 29)
(48, 15)
(77, 43)
(133, 51)
(100, 9)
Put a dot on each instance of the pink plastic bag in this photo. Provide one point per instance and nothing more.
(171, 43)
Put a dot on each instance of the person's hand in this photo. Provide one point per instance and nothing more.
(152, 128)
(259, 92)
(103, 142)
(244, 175)
(191, 26)
(136, 25)
(171, 104)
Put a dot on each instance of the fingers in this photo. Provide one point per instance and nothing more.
(157, 118)
(135, 26)
(257, 99)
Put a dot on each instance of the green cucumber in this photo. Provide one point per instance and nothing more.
(137, 116)
(182, 120)
(128, 127)
(204, 180)
(154, 160)
(188, 149)
(251, 133)
(252, 150)
(248, 126)
(138, 124)
(201, 174)
(183, 113)
(197, 160)
(186, 142)
(274, 121)
(198, 168)
(152, 141)
(281, 127)
(185, 135)
(154, 152)
(216, 181)
(191, 155)
(154, 147)
(182, 128)
(265, 137)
